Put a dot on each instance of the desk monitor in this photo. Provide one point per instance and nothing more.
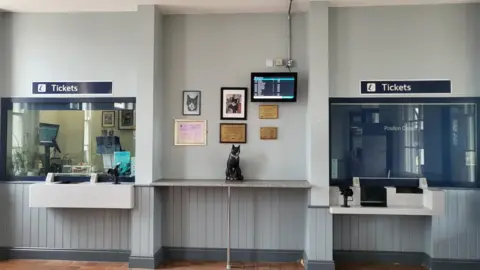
(47, 135)
(274, 87)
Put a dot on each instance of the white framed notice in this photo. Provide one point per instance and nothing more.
(190, 132)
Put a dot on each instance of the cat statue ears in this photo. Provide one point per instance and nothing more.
(233, 146)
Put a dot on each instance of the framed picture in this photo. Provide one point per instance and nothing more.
(108, 119)
(233, 103)
(190, 132)
(126, 119)
(192, 102)
(233, 133)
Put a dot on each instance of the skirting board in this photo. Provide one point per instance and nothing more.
(317, 265)
(238, 255)
(3, 254)
(449, 264)
(147, 262)
(403, 258)
(65, 254)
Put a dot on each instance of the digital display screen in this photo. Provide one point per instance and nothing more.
(47, 133)
(274, 86)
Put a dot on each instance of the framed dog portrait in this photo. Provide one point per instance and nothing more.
(126, 119)
(192, 102)
(233, 104)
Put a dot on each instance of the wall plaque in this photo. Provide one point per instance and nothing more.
(268, 111)
(268, 133)
(233, 133)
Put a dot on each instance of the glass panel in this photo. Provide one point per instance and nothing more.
(78, 138)
(436, 141)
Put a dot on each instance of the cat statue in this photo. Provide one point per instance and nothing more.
(233, 171)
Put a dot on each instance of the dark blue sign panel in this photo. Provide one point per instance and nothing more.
(406, 87)
(72, 88)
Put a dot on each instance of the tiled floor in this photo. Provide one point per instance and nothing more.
(70, 265)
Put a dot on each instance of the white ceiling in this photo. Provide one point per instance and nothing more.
(194, 6)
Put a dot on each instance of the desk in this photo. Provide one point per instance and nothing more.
(301, 184)
(54, 194)
(429, 203)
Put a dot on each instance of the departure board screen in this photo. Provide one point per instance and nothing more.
(274, 86)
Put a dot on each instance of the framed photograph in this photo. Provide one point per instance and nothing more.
(233, 103)
(108, 119)
(190, 132)
(192, 102)
(126, 119)
(233, 133)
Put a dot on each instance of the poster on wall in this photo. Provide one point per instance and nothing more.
(233, 103)
(406, 87)
(72, 88)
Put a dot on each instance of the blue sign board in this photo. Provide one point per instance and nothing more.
(406, 87)
(72, 88)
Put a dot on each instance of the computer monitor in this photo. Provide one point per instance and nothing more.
(47, 133)
(274, 87)
(47, 136)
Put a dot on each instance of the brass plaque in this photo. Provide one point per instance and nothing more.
(268, 133)
(233, 133)
(268, 111)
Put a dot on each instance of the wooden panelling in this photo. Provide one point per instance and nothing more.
(260, 218)
(379, 233)
(318, 245)
(456, 235)
(22, 226)
(143, 222)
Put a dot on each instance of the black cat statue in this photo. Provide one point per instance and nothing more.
(233, 172)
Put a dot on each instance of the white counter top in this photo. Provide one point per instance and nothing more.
(222, 183)
(82, 195)
(391, 210)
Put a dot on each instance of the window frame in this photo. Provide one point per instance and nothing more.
(408, 101)
(7, 104)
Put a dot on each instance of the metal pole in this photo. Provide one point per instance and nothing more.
(228, 229)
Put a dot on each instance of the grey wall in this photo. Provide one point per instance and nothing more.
(379, 233)
(3, 53)
(158, 98)
(405, 42)
(206, 52)
(72, 47)
(260, 218)
(21, 226)
(149, 94)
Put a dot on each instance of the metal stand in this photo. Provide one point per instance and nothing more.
(228, 267)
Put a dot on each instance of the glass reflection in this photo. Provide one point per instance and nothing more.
(68, 138)
(436, 141)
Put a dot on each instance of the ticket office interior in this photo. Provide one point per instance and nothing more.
(175, 42)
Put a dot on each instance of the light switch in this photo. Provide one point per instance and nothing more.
(269, 63)
(279, 62)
